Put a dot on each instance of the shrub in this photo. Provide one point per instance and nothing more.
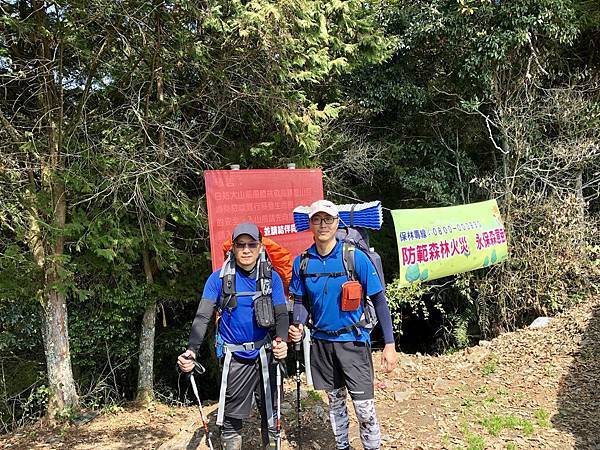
(549, 268)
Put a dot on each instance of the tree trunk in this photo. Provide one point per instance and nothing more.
(63, 394)
(55, 334)
(579, 185)
(579, 194)
(145, 391)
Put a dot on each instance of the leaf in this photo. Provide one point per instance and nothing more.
(106, 253)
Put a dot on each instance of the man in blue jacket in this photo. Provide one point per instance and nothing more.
(340, 350)
(246, 344)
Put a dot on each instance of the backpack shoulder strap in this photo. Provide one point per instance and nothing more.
(303, 264)
(264, 275)
(348, 255)
(302, 272)
(228, 298)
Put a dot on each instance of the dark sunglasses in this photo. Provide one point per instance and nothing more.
(241, 245)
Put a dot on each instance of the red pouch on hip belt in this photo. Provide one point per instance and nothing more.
(351, 295)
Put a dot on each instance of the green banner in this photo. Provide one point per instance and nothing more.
(437, 242)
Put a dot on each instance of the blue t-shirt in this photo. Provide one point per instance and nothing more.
(239, 326)
(325, 292)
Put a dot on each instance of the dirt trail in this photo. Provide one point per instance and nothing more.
(527, 389)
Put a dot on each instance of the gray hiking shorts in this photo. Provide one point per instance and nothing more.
(342, 364)
(244, 387)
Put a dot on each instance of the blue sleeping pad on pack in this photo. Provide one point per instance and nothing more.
(357, 215)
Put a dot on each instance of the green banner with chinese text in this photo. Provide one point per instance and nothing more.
(437, 242)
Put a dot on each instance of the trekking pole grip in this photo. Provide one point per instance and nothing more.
(198, 368)
(277, 342)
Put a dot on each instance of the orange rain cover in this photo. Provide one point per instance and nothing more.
(279, 256)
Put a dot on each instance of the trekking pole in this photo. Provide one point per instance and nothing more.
(200, 370)
(306, 352)
(278, 421)
(297, 347)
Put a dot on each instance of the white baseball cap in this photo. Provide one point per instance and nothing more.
(323, 206)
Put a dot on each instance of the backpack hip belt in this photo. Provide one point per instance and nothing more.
(248, 346)
(356, 327)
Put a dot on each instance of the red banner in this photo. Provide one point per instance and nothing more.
(264, 197)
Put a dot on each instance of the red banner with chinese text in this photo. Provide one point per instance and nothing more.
(265, 197)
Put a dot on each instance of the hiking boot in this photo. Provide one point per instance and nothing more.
(272, 445)
(231, 442)
(269, 439)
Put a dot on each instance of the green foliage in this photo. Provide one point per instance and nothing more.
(417, 104)
(545, 236)
(104, 323)
(589, 14)
(490, 365)
(149, 95)
(25, 406)
(447, 308)
(497, 423)
(474, 104)
(542, 418)
(399, 297)
(20, 284)
(474, 441)
(314, 395)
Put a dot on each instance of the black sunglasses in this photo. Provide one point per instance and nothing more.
(241, 245)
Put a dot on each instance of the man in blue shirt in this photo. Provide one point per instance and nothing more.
(340, 352)
(247, 347)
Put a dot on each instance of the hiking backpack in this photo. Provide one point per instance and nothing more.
(353, 238)
(280, 257)
(273, 256)
(262, 303)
